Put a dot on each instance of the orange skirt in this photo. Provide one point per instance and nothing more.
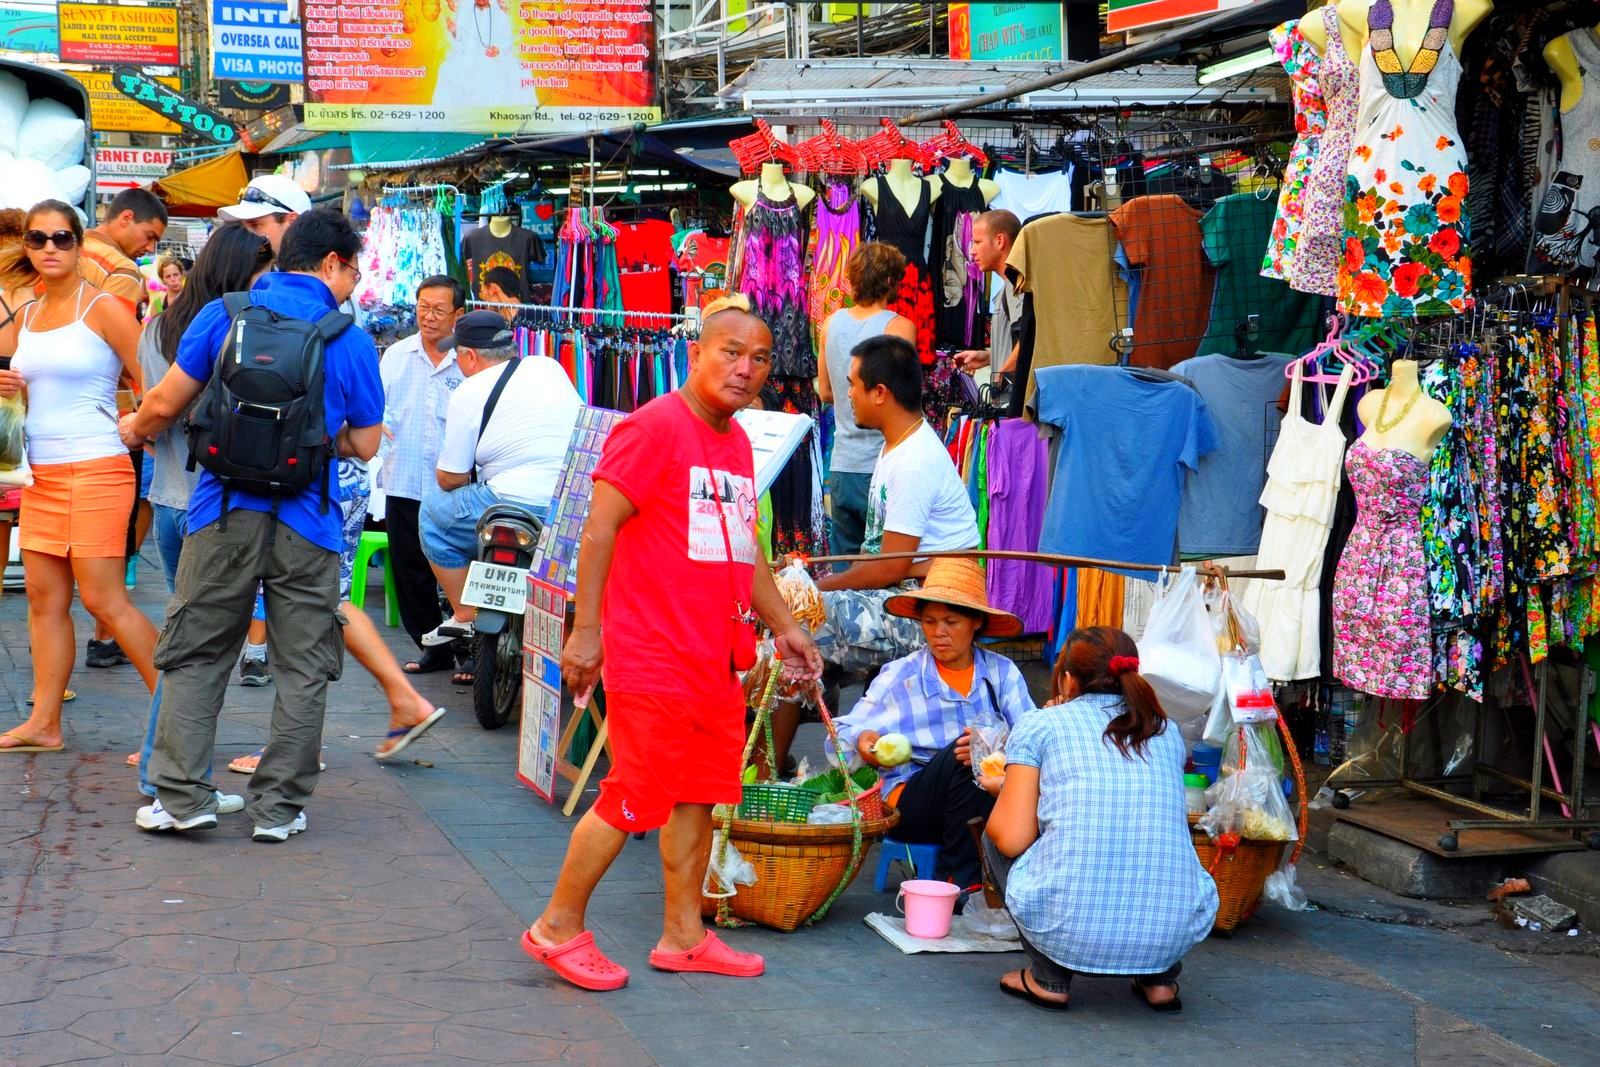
(79, 509)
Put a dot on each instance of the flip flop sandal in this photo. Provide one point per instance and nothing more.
(1171, 1007)
(67, 697)
(133, 760)
(710, 956)
(447, 632)
(248, 764)
(579, 962)
(463, 678)
(28, 744)
(408, 734)
(1028, 996)
(428, 665)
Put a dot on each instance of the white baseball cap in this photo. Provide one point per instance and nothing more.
(270, 194)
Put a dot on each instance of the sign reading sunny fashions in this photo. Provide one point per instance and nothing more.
(111, 112)
(480, 66)
(1125, 15)
(192, 115)
(28, 29)
(114, 33)
(255, 41)
(1006, 31)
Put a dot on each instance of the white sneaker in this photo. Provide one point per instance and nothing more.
(228, 803)
(281, 833)
(154, 817)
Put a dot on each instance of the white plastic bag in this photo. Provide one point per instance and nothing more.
(1178, 652)
(727, 870)
(51, 134)
(13, 106)
(1283, 887)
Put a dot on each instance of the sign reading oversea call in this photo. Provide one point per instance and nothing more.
(112, 33)
(192, 115)
(255, 41)
(479, 66)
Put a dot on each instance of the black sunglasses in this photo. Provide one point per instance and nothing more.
(256, 196)
(64, 240)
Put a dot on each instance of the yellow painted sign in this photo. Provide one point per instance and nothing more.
(111, 112)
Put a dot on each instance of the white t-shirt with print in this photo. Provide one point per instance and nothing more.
(525, 444)
(916, 491)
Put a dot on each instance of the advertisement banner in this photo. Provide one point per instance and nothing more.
(111, 112)
(133, 162)
(1006, 32)
(28, 29)
(1125, 15)
(482, 66)
(252, 96)
(193, 116)
(254, 41)
(111, 33)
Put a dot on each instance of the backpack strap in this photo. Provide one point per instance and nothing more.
(489, 406)
(235, 303)
(333, 324)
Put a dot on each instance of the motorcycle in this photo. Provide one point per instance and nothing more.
(497, 585)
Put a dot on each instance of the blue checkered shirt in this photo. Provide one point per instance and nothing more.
(416, 397)
(908, 697)
(1112, 885)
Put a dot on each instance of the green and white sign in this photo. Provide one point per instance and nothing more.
(1006, 31)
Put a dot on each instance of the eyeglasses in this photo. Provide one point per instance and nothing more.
(351, 267)
(64, 240)
(427, 311)
(253, 195)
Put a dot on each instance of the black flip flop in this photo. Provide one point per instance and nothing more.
(1028, 996)
(429, 664)
(1171, 1007)
(463, 677)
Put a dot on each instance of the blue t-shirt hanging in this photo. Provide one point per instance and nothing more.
(1127, 442)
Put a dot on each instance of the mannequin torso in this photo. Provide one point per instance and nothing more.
(1410, 25)
(500, 226)
(1403, 416)
(906, 186)
(958, 172)
(775, 184)
(1561, 59)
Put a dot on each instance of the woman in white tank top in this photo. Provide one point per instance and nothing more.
(68, 349)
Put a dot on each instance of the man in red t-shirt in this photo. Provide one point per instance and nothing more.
(667, 581)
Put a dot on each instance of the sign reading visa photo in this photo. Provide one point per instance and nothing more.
(254, 41)
(112, 33)
(481, 66)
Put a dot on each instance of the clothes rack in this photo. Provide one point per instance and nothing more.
(667, 319)
(1051, 558)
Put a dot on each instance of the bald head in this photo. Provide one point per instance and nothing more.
(730, 317)
(729, 363)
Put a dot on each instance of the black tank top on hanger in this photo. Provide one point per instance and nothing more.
(908, 233)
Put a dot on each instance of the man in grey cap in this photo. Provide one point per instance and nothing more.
(505, 439)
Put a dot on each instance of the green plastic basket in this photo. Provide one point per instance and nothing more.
(777, 803)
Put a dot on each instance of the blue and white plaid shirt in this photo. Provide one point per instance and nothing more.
(1113, 884)
(908, 697)
(416, 398)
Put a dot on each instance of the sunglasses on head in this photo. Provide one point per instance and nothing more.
(256, 196)
(64, 240)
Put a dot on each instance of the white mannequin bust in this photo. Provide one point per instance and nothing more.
(776, 184)
(905, 185)
(958, 172)
(1402, 416)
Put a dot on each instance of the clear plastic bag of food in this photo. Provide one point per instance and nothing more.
(989, 736)
(801, 594)
(1233, 627)
(1249, 691)
(1247, 801)
(727, 869)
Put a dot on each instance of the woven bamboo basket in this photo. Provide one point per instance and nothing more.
(798, 868)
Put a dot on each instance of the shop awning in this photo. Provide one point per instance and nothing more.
(199, 191)
(413, 149)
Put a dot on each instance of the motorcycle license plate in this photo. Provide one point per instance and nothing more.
(489, 585)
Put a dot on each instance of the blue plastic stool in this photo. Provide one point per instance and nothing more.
(922, 859)
(372, 542)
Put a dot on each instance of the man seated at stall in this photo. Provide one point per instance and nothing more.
(932, 697)
(505, 439)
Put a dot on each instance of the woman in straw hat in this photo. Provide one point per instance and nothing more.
(931, 697)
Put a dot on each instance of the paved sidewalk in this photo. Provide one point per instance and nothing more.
(386, 934)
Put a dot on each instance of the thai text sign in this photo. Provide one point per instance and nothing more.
(113, 33)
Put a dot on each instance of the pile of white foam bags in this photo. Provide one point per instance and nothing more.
(41, 149)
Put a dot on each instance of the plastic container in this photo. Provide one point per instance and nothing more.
(1207, 760)
(1194, 793)
(929, 907)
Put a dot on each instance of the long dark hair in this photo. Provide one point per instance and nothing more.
(1103, 659)
(231, 257)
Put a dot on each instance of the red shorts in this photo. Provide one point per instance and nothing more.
(668, 752)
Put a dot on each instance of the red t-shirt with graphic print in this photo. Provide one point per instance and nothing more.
(666, 617)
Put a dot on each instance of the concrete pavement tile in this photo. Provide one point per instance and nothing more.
(440, 920)
(609, 1052)
(318, 979)
(379, 1038)
(128, 986)
(55, 1012)
(266, 957)
(412, 893)
(353, 1006)
(456, 994)
(588, 1021)
(66, 967)
(429, 954)
(369, 932)
(318, 913)
(242, 1040)
(232, 994)
(46, 1050)
(238, 925)
(19, 988)
(182, 952)
(148, 1031)
(482, 1045)
(64, 942)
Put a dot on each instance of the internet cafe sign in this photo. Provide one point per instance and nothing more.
(145, 164)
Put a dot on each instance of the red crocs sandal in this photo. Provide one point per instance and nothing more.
(711, 956)
(579, 962)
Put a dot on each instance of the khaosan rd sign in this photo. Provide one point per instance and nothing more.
(190, 114)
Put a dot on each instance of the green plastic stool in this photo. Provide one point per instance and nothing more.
(372, 542)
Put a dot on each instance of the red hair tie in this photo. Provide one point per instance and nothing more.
(1121, 665)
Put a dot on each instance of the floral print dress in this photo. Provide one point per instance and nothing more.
(1382, 636)
(1310, 118)
(1407, 233)
(1314, 267)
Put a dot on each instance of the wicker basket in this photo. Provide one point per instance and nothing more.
(1240, 875)
(776, 803)
(871, 802)
(798, 867)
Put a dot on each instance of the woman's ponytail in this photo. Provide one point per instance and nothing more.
(1105, 660)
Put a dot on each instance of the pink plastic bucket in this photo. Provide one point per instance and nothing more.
(928, 907)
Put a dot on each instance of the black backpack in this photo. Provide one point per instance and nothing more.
(260, 426)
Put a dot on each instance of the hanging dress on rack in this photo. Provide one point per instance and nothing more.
(909, 233)
(1407, 249)
(1310, 119)
(1302, 489)
(771, 269)
(1314, 267)
(957, 282)
(834, 239)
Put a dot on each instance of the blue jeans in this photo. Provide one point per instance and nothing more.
(448, 523)
(847, 520)
(171, 524)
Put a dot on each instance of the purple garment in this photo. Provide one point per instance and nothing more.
(1019, 475)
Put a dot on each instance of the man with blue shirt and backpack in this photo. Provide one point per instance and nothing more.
(289, 387)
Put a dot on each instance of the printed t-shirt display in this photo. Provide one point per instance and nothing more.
(1221, 514)
(671, 561)
(916, 491)
(1126, 443)
(1065, 262)
(1233, 232)
(484, 251)
(524, 445)
(1161, 235)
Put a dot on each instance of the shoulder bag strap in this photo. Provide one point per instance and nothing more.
(741, 612)
(489, 406)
